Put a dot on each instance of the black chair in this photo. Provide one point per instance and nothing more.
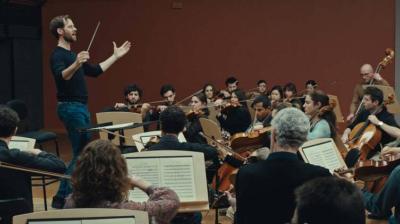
(41, 138)
(12, 207)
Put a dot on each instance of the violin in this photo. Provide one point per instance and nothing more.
(222, 178)
(192, 114)
(251, 141)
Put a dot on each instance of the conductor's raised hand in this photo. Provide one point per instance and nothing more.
(122, 50)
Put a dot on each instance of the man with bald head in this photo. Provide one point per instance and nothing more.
(367, 74)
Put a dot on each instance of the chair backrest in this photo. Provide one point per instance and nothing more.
(210, 128)
(11, 207)
(118, 117)
(93, 215)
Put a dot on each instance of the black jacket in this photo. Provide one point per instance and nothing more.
(265, 190)
(16, 184)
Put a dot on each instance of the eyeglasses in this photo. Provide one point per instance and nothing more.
(362, 74)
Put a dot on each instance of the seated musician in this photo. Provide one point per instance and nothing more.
(231, 84)
(311, 86)
(17, 184)
(173, 122)
(265, 190)
(167, 92)
(261, 90)
(101, 180)
(322, 117)
(210, 92)
(133, 93)
(290, 95)
(193, 126)
(276, 95)
(367, 74)
(328, 200)
(372, 101)
(234, 118)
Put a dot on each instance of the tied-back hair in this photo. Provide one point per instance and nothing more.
(203, 99)
(101, 175)
(326, 110)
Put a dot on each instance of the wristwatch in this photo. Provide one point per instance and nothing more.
(380, 123)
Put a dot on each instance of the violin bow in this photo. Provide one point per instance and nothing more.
(184, 99)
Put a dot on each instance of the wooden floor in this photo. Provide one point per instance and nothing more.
(66, 153)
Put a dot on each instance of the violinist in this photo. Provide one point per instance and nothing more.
(261, 90)
(290, 94)
(167, 92)
(199, 109)
(236, 117)
(231, 84)
(372, 102)
(263, 115)
(367, 75)
(17, 184)
(322, 117)
(133, 93)
(210, 92)
(276, 95)
(311, 86)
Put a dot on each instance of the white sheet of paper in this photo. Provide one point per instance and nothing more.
(175, 173)
(109, 221)
(19, 144)
(323, 155)
(114, 126)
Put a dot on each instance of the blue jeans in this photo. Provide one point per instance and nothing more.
(74, 115)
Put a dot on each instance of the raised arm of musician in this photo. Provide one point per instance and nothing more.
(391, 130)
(119, 52)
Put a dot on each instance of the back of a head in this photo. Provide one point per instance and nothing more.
(8, 121)
(172, 120)
(329, 200)
(290, 127)
(262, 99)
(101, 174)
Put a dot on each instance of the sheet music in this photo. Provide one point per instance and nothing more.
(19, 144)
(323, 155)
(115, 126)
(173, 172)
(105, 220)
(142, 139)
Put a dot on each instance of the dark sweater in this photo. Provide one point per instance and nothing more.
(16, 184)
(74, 89)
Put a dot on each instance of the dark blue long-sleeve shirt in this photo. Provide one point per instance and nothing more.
(75, 88)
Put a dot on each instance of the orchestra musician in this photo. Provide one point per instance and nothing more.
(276, 95)
(367, 74)
(231, 84)
(236, 118)
(261, 90)
(263, 115)
(193, 126)
(69, 69)
(101, 180)
(372, 102)
(290, 94)
(210, 92)
(311, 86)
(322, 117)
(18, 184)
(265, 190)
(133, 93)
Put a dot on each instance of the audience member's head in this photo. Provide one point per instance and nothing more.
(101, 174)
(173, 120)
(289, 130)
(329, 200)
(8, 122)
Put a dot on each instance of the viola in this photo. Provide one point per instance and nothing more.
(250, 141)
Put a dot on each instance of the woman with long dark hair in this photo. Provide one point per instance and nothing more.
(322, 117)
